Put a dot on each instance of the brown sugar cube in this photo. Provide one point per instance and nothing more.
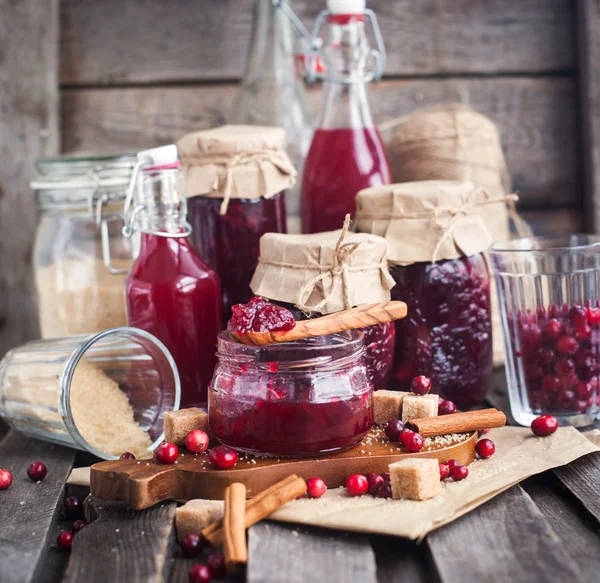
(179, 423)
(419, 407)
(196, 515)
(415, 479)
(387, 405)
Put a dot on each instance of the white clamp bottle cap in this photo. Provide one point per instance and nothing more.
(162, 156)
(346, 6)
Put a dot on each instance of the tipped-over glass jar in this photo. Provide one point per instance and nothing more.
(105, 394)
(294, 399)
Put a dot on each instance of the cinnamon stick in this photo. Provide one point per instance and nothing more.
(234, 529)
(261, 506)
(457, 422)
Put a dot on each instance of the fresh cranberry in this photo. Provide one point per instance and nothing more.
(216, 564)
(544, 425)
(5, 479)
(166, 453)
(37, 471)
(357, 485)
(485, 448)
(545, 355)
(374, 484)
(78, 525)
(413, 442)
(444, 471)
(127, 456)
(199, 574)
(404, 436)
(578, 315)
(584, 389)
(550, 384)
(386, 476)
(458, 473)
(73, 507)
(567, 345)
(593, 315)
(564, 366)
(223, 457)
(446, 408)
(481, 432)
(196, 441)
(384, 490)
(64, 540)
(259, 315)
(315, 487)
(583, 333)
(534, 371)
(551, 330)
(420, 385)
(452, 463)
(191, 544)
(394, 429)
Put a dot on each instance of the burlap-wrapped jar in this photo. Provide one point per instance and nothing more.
(235, 178)
(328, 272)
(437, 232)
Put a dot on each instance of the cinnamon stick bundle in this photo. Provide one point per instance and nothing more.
(261, 506)
(458, 422)
(234, 529)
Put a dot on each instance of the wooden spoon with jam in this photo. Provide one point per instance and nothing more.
(284, 329)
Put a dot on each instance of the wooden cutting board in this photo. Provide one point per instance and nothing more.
(143, 483)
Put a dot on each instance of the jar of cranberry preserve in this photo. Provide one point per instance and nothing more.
(315, 275)
(235, 178)
(437, 232)
(550, 301)
(298, 398)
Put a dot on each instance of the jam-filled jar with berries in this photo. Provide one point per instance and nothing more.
(549, 291)
(437, 232)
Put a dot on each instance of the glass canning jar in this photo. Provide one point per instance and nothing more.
(294, 399)
(106, 393)
(80, 287)
(549, 291)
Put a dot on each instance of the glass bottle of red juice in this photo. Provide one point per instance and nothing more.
(171, 292)
(346, 153)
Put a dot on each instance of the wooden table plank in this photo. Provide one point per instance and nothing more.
(28, 510)
(506, 539)
(402, 561)
(582, 478)
(122, 545)
(281, 552)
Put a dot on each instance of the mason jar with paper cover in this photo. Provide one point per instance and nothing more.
(314, 275)
(235, 178)
(437, 232)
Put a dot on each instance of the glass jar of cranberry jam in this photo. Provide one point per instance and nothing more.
(293, 399)
(437, 232)
(236, 178)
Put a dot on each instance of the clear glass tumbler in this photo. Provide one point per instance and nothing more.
(549, 291)
(105, 393)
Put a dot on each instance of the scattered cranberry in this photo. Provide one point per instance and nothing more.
(374, 482)
(413, 442)
(166, 453)
(446, 408)
(394, 429)
(420, 385)
(452, 463)
(73, 507)
(5, 479)
(216, 564)
(404, 436)
(458, 473)
(37, 471)
(444, 471)
(127, 455)
(192, 544)
(384, 490)
(485, 448)
(196, 441)
(357, 485)
(544, 425)
(64, 540)
(315, 487)
(386, 476)
(223, 457)
(483, 432)
(78, 525)
(199, 574)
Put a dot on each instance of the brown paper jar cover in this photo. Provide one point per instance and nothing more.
(432, 220)
(236, 161)
(324, 272)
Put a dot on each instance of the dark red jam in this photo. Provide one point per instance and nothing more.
(447, 333)
(229, 243)
(259, 315)
(558, 352)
